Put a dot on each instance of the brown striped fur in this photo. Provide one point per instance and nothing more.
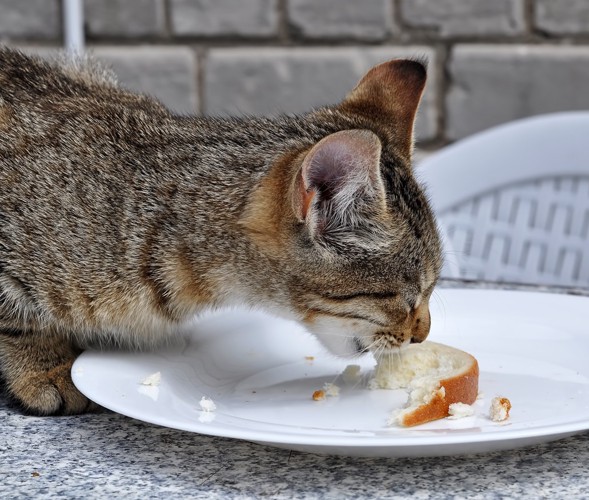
(119, 221)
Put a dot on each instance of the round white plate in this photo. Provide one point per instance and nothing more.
(531, 348)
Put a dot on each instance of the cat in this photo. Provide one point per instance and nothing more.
(119, 220)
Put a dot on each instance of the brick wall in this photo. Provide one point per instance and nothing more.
(490, 61)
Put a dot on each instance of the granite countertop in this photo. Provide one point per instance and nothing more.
(105, 455)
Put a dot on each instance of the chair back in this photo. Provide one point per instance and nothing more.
(513, 201)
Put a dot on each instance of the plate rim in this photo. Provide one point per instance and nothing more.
(352, 441)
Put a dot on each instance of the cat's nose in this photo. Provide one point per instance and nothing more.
(420, 323)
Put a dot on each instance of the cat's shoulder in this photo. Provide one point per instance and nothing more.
(55, 68)
(82, 81)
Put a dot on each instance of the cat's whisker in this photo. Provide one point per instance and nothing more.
(440, 301)
(454, 257)
(453, 252)
(381, 349)
(375, 343)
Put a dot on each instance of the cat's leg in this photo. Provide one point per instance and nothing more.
(36, 371)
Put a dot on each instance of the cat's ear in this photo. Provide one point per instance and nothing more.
(338, 175)
(390, 93)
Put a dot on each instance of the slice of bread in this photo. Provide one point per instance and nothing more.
(436, 376)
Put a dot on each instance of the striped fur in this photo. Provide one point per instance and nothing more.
(119, 221)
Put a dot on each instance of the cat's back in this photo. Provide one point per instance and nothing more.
(28, 80)
(67, 122)
(75, 180)
(63, 104)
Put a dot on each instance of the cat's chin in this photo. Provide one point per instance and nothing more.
(354, 347)
(344, 351)
(339, 337)
(342, 346)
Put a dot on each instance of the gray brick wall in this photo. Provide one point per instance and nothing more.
(327, 19)
(168, 73)
(493, 85)
(271, 80)
(124, 18)
(559, 17)
(249, 18)
(490, 61)
(449, 18)
(33, 19)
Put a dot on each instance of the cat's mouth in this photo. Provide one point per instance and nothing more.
(413, 330)
(350, 336)
(378, 345)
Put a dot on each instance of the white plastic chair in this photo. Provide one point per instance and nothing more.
(513, 201)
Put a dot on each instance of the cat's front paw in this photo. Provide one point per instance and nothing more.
(50, 392)
(36, 371)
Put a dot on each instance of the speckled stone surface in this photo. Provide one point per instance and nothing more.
(105, 455)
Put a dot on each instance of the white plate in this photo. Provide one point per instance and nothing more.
(531, 348)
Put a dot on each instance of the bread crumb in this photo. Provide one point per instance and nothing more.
(331, 390)
(500, 408)
(319, 395)
(351, 374)
(207, 404)
(309, 359)
(459, 410)
(154, 379)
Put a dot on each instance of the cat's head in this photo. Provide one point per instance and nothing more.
(353, 244)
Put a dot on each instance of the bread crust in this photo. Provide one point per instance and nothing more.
(462, 388)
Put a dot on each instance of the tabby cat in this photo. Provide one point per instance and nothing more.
(120, 220)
